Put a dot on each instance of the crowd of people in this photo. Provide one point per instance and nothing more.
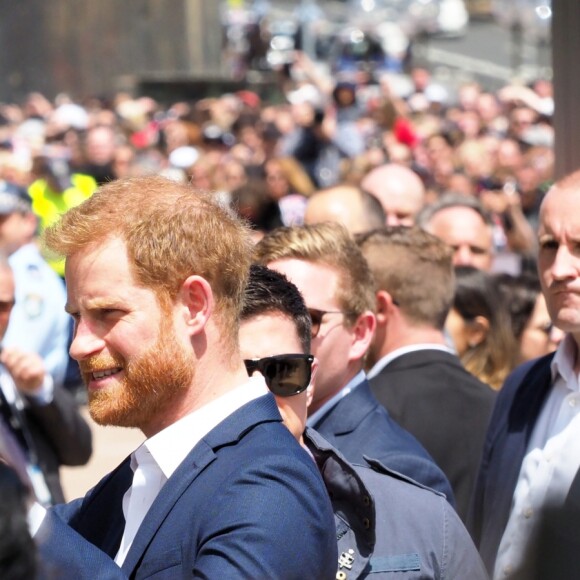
(414, 269)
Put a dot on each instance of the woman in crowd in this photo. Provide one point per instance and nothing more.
(478, 324)
(531, 324)
(289, 185)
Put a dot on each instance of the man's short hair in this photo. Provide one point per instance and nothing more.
(447, 201)
(270, 292)
(329, 244)
(416, 268)
(172, 231)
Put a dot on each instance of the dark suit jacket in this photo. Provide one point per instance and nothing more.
(359, 427)
(514, 416)
(429, 393)
(247, 502)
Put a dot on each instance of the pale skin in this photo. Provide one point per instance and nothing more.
(559, 258)
(340, 349)
(26, 368)
(114, 316)
(273, 333)
(464, 230)
(394, 330)
(399, 190)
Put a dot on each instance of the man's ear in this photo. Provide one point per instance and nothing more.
(477, 331)
(362, 335)
(198, 303)
(312, 386)
(384, 307)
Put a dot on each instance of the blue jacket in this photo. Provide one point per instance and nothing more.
(390, 527)
(514, 417)
(359, 427)
(247, 502)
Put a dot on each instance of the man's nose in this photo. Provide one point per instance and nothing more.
(85, 342)
(556, 335)
(392, 219)
(564, 266)
(463, 256)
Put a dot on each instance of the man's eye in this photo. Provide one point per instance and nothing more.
(478, 251)
(549, 244)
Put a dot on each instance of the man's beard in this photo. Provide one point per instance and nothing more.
(150, 383)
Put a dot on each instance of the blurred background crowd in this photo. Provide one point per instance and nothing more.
(352, 129)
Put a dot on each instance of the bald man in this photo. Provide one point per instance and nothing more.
(400, 191)
(357, 210)
(532, 453)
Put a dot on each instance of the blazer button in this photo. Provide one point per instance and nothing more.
(366, 500)
(366, 523)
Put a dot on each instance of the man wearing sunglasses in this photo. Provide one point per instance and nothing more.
(385, 524)
(333, 277)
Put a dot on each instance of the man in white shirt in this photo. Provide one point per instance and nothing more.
(155, 276)
(532, 450)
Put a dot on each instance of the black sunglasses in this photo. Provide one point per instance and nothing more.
(286, 374)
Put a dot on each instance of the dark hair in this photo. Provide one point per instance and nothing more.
(17, 550)
(252, 202)
(476, 294)
(270, 291)
(520, 294)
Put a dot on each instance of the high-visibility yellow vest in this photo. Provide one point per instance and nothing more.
(49, 205)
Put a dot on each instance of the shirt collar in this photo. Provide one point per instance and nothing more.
(388, 358)
(171, 446)
(564, 362)
(350, 386)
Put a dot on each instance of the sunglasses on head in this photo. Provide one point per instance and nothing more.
(286, 374)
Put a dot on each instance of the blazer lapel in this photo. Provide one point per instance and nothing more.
(101, 520)
(522, 418)
(227, 432)
(348, 413)
(201, 456)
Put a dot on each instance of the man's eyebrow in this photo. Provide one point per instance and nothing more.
(546, 238)
(95, 303)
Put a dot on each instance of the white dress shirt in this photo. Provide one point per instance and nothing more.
(388, 358)
(155, 461)
(550, 464)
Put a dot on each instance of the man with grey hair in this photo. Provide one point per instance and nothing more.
(464, 224)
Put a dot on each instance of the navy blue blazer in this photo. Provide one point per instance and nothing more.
(359, 427)
(247, 502)
(514, 417)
